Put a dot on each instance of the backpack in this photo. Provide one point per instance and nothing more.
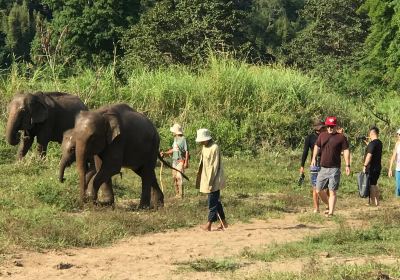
(363, 184)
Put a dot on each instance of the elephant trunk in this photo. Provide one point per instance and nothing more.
(65, 162)
(81, 156)
(13, 125)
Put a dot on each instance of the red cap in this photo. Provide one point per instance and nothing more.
(330, 121)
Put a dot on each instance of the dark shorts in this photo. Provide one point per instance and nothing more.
(374, 176)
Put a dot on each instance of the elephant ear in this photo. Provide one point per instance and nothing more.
(113, 128)
(39, 110)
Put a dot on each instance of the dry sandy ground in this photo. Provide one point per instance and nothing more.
(155, 256)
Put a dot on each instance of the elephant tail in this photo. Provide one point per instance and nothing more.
(170, 166)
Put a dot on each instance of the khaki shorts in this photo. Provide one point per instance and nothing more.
(328, 178)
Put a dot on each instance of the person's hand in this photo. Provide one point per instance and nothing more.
(186, 164)
(347, 170)
(313, 162)
(162, 154)
(302, 170)
(364, 169)
(390, 173)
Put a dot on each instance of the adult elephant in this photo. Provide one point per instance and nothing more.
(44, 115)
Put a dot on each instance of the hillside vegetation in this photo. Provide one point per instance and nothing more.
(248, 108)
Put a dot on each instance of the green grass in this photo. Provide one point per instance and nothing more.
(37, 211)
(369, 271)
(203, 265)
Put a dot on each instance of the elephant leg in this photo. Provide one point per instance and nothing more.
(108, 193)
(103, 177)
(157, 196)
(42, 149)
(91, 171)
(24, 146)
(152, 195)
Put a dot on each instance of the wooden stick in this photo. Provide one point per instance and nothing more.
(222, 223)
(161, 183)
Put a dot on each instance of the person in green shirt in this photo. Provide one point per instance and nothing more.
(180, 157)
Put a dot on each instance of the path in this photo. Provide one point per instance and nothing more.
(155, 256)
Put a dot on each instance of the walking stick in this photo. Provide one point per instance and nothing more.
(161, 183)
(222, 223)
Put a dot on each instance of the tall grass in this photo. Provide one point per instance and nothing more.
(248, 108)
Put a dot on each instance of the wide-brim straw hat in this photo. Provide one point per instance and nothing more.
(176, 128)
(203, 134)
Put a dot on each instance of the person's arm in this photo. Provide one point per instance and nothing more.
(367, 161)
(186, 156)
(305, 153)
(314, 155)
(186, 164)
(214, 165)
(346, 155)
(394, 154)
(168, 153)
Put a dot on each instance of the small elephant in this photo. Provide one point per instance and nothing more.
(120, 137)
(42, 115)
(68, 157)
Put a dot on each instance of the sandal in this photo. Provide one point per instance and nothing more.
(329, 215)
(326, 212)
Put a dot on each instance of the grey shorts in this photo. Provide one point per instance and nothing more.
(328, 177)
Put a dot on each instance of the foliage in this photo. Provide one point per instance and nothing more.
(332, 30)
(246, 102)
(19, 29)
(184, 32)
(90, 30)
(382, 54)
(272, 23)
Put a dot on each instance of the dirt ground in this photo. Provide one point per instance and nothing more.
(156, 256)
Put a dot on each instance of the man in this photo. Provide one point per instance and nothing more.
(210, 178)
(331, 144)
(309, 143)
(180, 158)
(372, 163)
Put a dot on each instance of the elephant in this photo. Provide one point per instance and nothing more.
(120, 137)
(44, 115)
(68, 157)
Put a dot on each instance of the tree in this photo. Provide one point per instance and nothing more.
(333, 34)
(184, 31)
(381, 65)
(19, 30)
(92, 29)
(272, 23)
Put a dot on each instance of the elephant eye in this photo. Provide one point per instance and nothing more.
(72, 149)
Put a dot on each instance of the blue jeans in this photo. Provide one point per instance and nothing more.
(215, 206)
(397, 191)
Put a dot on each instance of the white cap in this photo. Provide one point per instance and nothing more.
(176, 128)
(203, 134)
(398, 131)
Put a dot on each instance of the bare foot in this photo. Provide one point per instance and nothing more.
(206, 227)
